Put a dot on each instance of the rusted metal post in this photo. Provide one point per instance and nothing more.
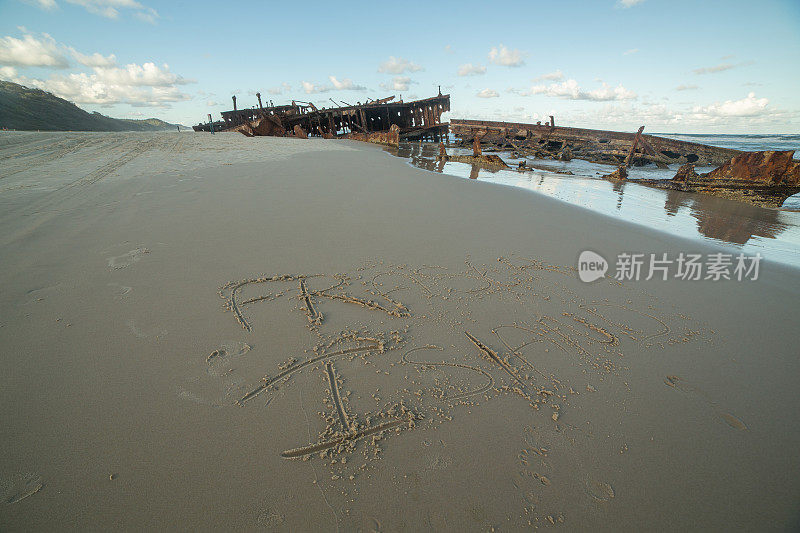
(258, 95)
(210, 123)
(633, 147)
(552, 122)
(234, 102)
(476, 146)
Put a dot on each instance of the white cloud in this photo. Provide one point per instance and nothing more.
(94, 60)
(283, 88)
(31, 51)
(44, 51)
(501, 55)
(628, 3)
(630, 52)
(468, 69)
(106, 84)
(47, 5)
(147, 14)
(398, 65)
(212, 103)
(570, 90)
(310, 88)
(345, 85)
(606, 93)
(687, 87)
(145, 75)
(138, 85)
(552, 76)
(105, 8)
(111, 8)
(487, 93)
(8, 73)
(398, 83)
(749, 106)
(716, 68)
(722, 67)
(729, 116)
(336, 85)
(448, 49)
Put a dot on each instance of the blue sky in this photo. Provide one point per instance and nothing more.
(674, 66)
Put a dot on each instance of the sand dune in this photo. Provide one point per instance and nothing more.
(220, 332)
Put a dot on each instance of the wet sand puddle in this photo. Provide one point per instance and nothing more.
(420, 332)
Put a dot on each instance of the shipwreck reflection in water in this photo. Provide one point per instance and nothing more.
(773, 233)
(735, 222)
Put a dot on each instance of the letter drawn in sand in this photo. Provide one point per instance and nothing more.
(373, 345)
(451, 397)
(448, 302)
(492, 356)
(336, 398)
(314, 316)
(325, 445)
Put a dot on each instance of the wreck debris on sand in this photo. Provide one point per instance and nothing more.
(764, 178)
(383, 121)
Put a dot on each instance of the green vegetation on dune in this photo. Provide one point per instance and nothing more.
(22, 108)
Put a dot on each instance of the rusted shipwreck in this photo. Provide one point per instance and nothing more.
(765, 178)
(383, 121)
(610, 147)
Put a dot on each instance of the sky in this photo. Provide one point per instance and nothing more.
(671, 65)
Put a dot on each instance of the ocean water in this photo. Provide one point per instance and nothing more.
(738, 226)
(747, 143)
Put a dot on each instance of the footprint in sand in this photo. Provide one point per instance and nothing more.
(682, 385)
(156, 333)
(120, 291)
(20, 487)
(216, 386)
(40, 294)
(599, 490)
(219, 361)
(438, 462)
(127, 259)
(269, 518)
(356, 520)
(205, 392)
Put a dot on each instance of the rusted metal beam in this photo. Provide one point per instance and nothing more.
(633, 147)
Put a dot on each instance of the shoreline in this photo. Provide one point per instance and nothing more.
(728, 224)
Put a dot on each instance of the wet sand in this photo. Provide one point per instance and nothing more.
(228, 333)
(738, 226)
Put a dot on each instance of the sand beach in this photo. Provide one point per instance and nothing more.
(226, 333)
